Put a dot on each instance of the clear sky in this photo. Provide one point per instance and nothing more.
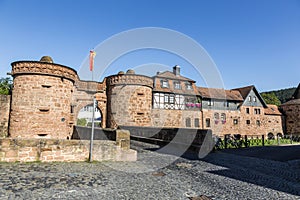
(251, 41)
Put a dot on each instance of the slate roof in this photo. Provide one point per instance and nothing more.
(272, 110)
(246, 90)
(216, 93)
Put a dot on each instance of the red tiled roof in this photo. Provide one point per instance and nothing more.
(171, 75)
(245, 90)
(216, 93)
(272, 110)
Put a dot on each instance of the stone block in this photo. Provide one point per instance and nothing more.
(123, 139)
(13, 153)
(126, 155)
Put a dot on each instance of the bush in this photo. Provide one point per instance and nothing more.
(81, 122)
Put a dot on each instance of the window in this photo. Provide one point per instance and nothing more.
(72, 108)
(257, 111)
(177, 85)
(188, 86)
(248, 121)
(216, 115)
(223, 118)
(254, 99)
(171, 99)
(197, 123)
(168, 101)
(235, 121)
(210, 102)
(188, 122)
(257, 122)
(247, 110)
(164, 84)
(207, 122)
(226, 104)
(166, 97)
(249, 98)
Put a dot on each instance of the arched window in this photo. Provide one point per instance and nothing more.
(223, 118)
(270, 136)
(216, 116)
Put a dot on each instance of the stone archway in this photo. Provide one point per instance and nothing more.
(100, 107)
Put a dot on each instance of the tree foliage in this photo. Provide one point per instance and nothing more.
(283, 95)
(5, 86)
(271, 98)
(81, 122)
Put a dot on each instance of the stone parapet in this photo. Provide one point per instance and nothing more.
(50, 69)
(129, 79)
(52, 150)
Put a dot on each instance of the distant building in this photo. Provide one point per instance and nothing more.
(87, 113)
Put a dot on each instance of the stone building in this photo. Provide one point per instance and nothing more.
(47, 98)
(291, 109)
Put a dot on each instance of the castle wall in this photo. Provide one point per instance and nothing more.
(176, 118)
(4, 115)
(236, 122)
(292, 114)
(41, 100)
(83, 96)
(273, 124)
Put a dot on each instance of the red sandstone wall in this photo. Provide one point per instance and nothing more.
(129, 100)
(29, 150)
(4, 114)
(268, 123)
(175, 118)
(292, 112)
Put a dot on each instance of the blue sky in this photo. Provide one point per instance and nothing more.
(251, 42)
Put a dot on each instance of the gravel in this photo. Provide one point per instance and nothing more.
(153, 176)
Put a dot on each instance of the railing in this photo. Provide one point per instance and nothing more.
(238, 141)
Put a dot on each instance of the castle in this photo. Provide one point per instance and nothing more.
(47, 97)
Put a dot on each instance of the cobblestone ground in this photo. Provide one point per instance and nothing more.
(153, 176)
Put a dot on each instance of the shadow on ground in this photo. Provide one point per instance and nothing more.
(274, 167)
(277, 153)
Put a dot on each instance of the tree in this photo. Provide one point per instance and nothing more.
(271, 98)
(5, 86)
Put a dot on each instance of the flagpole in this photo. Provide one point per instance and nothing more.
(92, 55)
(92, 133)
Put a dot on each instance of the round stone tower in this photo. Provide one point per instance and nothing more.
(129, 100)
(41, 99)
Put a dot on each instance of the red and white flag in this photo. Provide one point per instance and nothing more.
(92, 56)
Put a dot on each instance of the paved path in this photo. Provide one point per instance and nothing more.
(218, 176)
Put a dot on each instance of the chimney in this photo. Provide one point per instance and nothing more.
(176, 70)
